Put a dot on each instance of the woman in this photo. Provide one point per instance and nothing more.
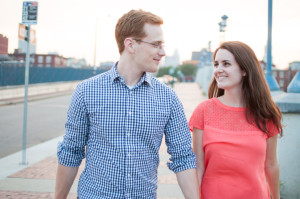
(235, 130)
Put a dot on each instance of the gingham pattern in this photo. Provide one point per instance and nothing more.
(122, 130)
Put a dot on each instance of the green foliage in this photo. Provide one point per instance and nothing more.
(184, 70)
(188, 69)
(163, 71)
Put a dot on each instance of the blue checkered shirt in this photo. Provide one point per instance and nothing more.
(119, 131)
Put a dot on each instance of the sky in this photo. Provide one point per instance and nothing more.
(68, 27)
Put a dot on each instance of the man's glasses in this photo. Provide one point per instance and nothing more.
(155, 45)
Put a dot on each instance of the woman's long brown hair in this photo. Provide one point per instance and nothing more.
(260, 108)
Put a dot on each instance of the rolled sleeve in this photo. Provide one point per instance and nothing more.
(178, 139)
(71, 150)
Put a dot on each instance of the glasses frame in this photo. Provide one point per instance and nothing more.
(158, 46)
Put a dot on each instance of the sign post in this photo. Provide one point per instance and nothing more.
(29, 17)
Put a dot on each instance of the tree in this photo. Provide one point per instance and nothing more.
(188, 69)
(163, 71)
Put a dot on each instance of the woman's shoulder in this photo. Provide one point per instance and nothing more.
(207, 103)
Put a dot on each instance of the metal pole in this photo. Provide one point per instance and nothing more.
(25, 97)
(269, 50)
(270, 79)
(95, 44)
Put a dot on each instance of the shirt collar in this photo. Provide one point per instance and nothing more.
(114, 76)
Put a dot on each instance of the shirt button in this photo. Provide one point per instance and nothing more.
(128, 175)
(129, 113)
(128, 154)
(128, 195)
(128, 134)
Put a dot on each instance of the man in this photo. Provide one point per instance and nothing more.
(116, 120)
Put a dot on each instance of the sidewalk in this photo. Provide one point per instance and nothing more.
(37, 178)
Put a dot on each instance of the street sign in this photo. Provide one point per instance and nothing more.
(30, 12)
(23, 34)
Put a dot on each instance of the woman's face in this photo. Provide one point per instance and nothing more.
(227, 72)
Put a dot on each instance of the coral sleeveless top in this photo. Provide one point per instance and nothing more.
(235, 152)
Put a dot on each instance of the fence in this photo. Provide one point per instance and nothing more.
(15, 75)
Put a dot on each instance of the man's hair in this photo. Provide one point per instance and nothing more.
(255, 90)
(132, 24)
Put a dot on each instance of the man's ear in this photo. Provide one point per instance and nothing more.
(129, 45)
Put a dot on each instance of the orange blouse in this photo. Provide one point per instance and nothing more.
(235, 152)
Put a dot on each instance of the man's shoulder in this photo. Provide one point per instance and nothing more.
(161, 86)
(100, 79)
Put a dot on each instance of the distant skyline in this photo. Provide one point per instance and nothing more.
(68, 27)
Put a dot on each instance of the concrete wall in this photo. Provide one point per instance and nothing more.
(289, 156)
(36, 89)
(204, 76)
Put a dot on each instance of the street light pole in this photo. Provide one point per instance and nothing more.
(95, 44)
(223, 25)
(270, 79)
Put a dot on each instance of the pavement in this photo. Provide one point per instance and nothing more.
(34, 176)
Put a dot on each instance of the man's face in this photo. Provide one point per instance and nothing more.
(149, 50)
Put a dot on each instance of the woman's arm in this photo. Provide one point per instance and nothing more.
(272, 167)
(198, 149)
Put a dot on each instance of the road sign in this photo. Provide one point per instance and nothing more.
(30, 12)
(23, 34)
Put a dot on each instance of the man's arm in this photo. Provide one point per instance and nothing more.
(188, 183)
(64, 179)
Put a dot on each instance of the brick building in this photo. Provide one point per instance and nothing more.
(43, 60)
(3, 45)
(283, 77)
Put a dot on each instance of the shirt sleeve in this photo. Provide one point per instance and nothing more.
(197, 118)
(272, 129)
(71, 150)
(178, 139)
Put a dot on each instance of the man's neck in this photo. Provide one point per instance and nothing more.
(129, 72)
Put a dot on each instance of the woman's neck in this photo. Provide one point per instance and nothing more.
(232, 98)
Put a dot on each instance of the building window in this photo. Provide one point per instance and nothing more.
(281, 74)
(281, 83)
(40, 59)
(40, 65)
(274, 73)
(48, 59)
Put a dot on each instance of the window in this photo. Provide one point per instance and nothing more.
(281, 74)
(40, 59)
(281, 83)
(48, 59)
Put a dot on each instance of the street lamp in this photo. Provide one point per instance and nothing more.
(222, 25)
(270, 79)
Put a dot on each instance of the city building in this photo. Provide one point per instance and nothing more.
(76, 63)
(3, 45)
(173, 60)
(193, 62)
(42, 60)
(294, 65)
(204, 57)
